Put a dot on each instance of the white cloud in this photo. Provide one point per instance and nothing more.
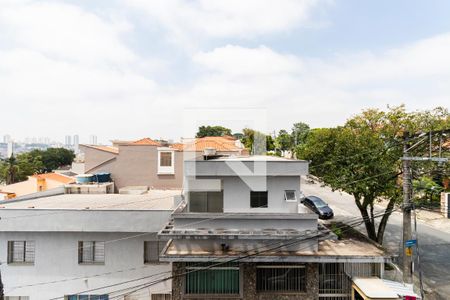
(63, 31)
(231, 18)
(244, 61)
(323, 91)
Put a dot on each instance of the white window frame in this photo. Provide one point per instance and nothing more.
(166, 170)
(290, 200)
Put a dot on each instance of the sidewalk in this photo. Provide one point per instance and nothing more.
(433, 219)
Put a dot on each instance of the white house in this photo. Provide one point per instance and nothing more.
(84, 246)
(242, 233)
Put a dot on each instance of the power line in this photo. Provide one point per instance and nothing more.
(237, 259)
(283, 244)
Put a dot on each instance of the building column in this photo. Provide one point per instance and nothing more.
(248, 279)
(312, 281)
(177, 281)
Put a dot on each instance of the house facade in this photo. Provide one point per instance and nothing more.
(84, 246)
(37, 183)
(242, 233)
(150, 163)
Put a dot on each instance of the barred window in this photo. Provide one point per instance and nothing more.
(86, 297)
(283, 278)
(258, 199)
(152, 249)
(91, 252)
(204, 279)
(21, 252)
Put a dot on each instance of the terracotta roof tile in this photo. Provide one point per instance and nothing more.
(55, 177)
(146, 141)
(220, 143)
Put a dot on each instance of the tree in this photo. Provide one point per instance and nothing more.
(283, 141)
(16, 169)
(258, 142)
(9, 171)
(212, 131)
(299, 133)
(362, 157)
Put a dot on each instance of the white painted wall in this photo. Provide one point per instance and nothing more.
(56, 259)
(237, 193)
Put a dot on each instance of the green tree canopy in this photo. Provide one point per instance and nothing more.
(283, 141)
(16, 169)
(299, 133)
(362, 157)
(257, 142)
(212, 131)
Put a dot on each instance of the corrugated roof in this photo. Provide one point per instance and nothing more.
(55, 177)
(146, 141)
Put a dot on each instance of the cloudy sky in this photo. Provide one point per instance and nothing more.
(133, 68)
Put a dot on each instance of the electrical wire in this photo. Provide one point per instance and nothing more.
(283, 244)
(237, 259)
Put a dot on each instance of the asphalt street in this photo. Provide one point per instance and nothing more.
(434, 244)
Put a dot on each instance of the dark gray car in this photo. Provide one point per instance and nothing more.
(318, 206)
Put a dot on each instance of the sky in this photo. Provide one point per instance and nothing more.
(127, 69)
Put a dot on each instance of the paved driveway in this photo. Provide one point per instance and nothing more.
(434, 243)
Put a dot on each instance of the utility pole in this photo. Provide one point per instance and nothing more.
(407, 195)
(2, 295)
(408, 242)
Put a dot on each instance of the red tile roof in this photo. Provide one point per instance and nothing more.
(220, 143)
(146, 141)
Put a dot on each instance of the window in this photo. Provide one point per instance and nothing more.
(86, 297)
(258, 199)
(21, 252)
(152, 249)
(17, 298)
(166, 162)
(290, 196)
(206, 201)
(90, 252)
(283, 278)
(223, 279)
(165, 159)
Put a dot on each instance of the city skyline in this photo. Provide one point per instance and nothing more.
(131, 68)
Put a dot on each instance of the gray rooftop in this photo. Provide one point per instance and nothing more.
(153, 200)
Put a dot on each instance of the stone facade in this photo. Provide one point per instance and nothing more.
(248, 285)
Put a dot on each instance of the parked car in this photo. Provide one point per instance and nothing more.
(318, 206)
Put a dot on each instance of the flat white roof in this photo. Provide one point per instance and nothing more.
(153, 200)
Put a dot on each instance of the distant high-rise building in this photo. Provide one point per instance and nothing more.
(68, 140)
(76, 143)
(10, 150)
(6, 138)
(93, 140)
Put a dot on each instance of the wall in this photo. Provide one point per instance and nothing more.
(59, 220)
(237, 193)
(94, 157)
(138, 165)
(56, 259)
(22, 188)
(248, 285)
